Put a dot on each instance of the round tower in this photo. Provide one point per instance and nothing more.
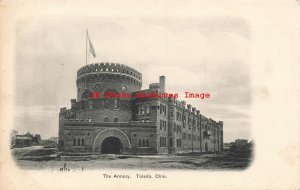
(105, 77)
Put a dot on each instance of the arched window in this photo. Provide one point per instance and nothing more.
(90, 105)
(106, 120)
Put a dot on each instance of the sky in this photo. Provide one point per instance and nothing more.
(195, 54)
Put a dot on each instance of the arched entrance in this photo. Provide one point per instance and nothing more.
(111, 145)
(206, 147)
(114, 141)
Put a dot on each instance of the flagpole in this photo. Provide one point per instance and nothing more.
(86, 39)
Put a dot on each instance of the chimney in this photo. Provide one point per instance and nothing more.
(189, 107)
(73, 103)
(193, 109)
(162, 82)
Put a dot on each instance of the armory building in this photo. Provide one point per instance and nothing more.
(132, 125)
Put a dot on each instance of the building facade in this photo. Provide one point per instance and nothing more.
(124, 124)
(28, 139)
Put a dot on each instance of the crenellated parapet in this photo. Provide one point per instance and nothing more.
(91, 122)
(103, 77)
(109, 68)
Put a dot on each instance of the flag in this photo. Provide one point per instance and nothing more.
(91, 48)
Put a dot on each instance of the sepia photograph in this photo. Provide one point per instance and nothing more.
(105, 95)
(161, 95)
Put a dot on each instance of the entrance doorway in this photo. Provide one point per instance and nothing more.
(111, 145)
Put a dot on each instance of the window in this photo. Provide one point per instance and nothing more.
(178, 116)
(178, 142)
(74, 142)
(143, 143)
(189, 137)
(82, 142)
(130, 106)
(183, 136)
(106, 119)
(142, 110)
(106, 103)
(160, 124)
(174, 127)
(171, 112)
(163, 125)
(88, 134)
(161, 109)
(115, 120)
(116, 104)
(171, 142)
(78, 142)
(151, 135)
(134, 135)
(163, 142)
(61, 143)
(90, 105)
(205, 135)
(178, 129)
(147, 109)
(69, 134)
